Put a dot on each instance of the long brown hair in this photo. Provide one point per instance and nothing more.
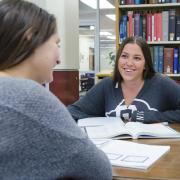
(23, 27)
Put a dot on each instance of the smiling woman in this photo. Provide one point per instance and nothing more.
(135, 92)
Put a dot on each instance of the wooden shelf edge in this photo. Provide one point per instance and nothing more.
(134, 6)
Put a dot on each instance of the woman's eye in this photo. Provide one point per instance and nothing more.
(123, 56)
(137, 58)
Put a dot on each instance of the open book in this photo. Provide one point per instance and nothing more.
(130, 154)
(114, 127)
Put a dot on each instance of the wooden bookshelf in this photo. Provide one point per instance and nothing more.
(153, 8)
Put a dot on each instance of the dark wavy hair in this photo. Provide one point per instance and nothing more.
(23, 27)
(149, 69)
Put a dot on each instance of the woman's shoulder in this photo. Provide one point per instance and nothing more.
(106, 81)
(163, 79)
(23, 90)
(20, 86)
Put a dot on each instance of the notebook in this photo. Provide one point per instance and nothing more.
(114, 127)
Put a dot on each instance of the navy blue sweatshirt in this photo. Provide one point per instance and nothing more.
(157, 101)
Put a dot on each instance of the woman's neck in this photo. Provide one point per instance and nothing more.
(15, 72)
(131, 90)
(4, 74)
(132, 85)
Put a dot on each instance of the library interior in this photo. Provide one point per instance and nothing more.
(91, 33)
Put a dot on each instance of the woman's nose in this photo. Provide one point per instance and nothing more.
(129, 62)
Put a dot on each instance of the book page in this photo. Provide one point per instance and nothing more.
(156, 129)
(102, 127)
(129, 154)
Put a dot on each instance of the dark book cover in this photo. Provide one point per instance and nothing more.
(176, 61)
(177, 28)
(172, 24)
(136, 24)
(155, 58)
(161, 59)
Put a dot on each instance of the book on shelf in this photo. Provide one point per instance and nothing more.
(137, 24)
(149, 27)
(156, 58)
(172, 24)
(114, 127)
(160, 59)
(165, 25)
(130, 154)
(161, 25)
(130, 23)
(168, 60)
(178, 28)
(176, 61)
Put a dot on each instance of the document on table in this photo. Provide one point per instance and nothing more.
(129, 154)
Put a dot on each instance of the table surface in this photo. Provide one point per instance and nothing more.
(166, 168)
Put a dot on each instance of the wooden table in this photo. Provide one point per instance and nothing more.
(166, 168)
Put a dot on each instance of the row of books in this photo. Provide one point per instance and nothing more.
(152, 26)
(128, 2)
(165, 59)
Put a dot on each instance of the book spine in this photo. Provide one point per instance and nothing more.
(178, 28)
(125, 18)
(137, 1)
(153, 26)
(172, 24)
(159, 27)
(144, 25)
(136, 24)
(160, 59)
(176, 60)
(140, 26)
(130, 22)
(155, 61)
(149, 27)
(168, 60)
(165, 25)
(152, 2)
(121, 32)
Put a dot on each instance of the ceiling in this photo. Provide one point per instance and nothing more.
(87, 17)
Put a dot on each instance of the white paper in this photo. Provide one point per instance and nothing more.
(110, 127)
(131, 155)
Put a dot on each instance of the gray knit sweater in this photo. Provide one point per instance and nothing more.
(39, 140)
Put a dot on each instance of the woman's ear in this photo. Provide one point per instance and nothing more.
(28, 34)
